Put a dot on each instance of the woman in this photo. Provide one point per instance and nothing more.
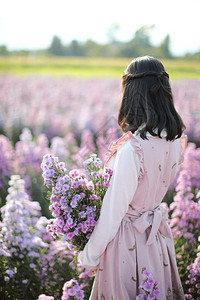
(132, 234)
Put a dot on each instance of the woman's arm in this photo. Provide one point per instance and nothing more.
(120, 193)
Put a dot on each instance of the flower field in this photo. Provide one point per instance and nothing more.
(71, 118)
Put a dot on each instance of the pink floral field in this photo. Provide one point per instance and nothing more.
(57, 106)
(71, 118)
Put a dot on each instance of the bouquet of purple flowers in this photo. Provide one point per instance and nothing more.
(76, 198)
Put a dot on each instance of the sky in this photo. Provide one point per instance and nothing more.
(31, 24)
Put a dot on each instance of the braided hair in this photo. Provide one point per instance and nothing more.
(147, 99)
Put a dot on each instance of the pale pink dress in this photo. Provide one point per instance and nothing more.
(132, 233)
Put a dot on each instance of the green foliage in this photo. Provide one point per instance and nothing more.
(39, 192)
(163, 51)
(3, 50)
(56, 48)
(185, 254)
(14, 288)
(86, 67)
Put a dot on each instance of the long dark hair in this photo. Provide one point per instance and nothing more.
(147, 99)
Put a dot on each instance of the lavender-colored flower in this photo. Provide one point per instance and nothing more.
(147, 273)
(140, 297)
(70, 235)
(72, 288)
(82, 214)
(24, 281)
(21, 215)
(32, 266)
(10, 273)
(106, 185)
(73, 203)
(6, 278)
(149, 286)
(69, 221)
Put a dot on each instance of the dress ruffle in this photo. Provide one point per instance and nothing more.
(183, 140)
(136, 145)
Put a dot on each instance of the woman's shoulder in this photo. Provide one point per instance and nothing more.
(127, 142)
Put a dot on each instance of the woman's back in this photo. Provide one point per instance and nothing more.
(159, 160)
(160, 163)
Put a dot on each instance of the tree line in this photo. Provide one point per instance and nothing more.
(139, 45)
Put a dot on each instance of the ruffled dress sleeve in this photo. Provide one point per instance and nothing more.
(183, 140)
(123, 184)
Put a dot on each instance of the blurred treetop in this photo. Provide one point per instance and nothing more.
(139, 45)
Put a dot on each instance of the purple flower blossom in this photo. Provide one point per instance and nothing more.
(24, 281)
(73, 203)
(70, 235)
(72, 288)
(106, 185)
(149, 287)
(6, 278)
(82, 214)
(10, 273)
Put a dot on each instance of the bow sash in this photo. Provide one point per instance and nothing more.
(156, 219)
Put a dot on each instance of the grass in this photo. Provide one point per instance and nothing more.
(88, 67)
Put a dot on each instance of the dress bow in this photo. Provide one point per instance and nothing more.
(157, 220)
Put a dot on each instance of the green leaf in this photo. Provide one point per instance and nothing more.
(75, 258)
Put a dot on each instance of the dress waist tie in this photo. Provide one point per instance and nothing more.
(156, 219)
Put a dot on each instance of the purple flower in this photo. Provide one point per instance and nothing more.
(147, 273)
(70, 236)
(69, 221)
(106, 184)
(10, 273)
(61, 165)
(77, 197)
(106, 176)
(6, 278)
(93, 197)
(24, 281)
(73, 203)
(56, 213)
(147, 287)
(65, 187)
(76, 184)
(74, 173)
(140, 297)
(151, 280)
(188, 235)
(95, 173)
(109, 170)
(82, 214)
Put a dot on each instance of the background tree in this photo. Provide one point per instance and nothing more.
(140, 44)
(3, 50)
(164, 48)
(56, 48)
